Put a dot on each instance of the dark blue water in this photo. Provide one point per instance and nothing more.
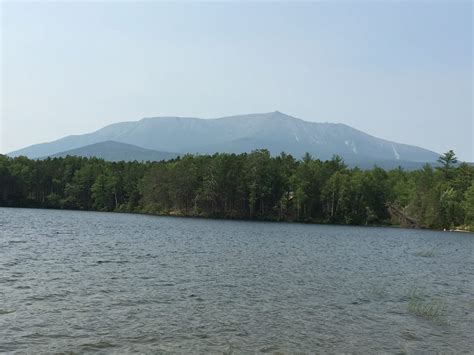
(85, 282)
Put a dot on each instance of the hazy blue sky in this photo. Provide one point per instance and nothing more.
(398, 70)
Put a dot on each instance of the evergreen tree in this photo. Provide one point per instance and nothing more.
(255, 186)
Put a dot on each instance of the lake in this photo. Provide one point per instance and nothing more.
(104, 282)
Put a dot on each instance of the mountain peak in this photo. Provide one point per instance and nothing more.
(280, 115)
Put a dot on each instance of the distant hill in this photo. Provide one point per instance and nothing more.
(274, 131)
(391, 164)
(115, 151)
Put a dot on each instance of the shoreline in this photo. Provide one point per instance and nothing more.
(175, 215)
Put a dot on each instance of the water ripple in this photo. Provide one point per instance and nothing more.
(97, 282)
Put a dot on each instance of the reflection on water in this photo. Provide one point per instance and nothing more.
(85, 281)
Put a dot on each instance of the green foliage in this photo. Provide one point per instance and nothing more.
(433, 310)
(246, 186)
(468, 206)
(447, 160)
(426, 253)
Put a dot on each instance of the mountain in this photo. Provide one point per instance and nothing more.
(115, 151)
(274, 131)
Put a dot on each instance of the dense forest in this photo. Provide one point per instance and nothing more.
(248, 186)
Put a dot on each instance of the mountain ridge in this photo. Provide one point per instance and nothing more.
(275, 131)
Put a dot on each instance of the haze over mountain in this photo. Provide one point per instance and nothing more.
(274, 131)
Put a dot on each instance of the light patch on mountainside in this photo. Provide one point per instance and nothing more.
(352, 146)
(397, 156)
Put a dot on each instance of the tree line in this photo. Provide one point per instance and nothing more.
(253, 186)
